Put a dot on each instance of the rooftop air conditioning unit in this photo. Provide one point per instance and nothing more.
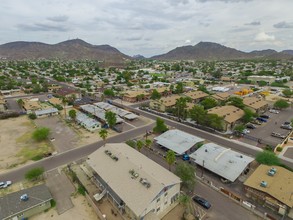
(273, 170)
(24, 197)
(263, 184)
(271, 173)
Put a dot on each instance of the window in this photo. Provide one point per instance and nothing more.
(158, 209)
(166, 202)
(166, 193)
(158, 200)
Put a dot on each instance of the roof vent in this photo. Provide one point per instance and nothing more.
(133, 174)
(145, 182)
(111, 155)
(263, 184)
(24, 197)
(206, 150)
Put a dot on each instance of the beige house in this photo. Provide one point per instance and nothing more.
(31, 105)
(257, 105)
(53, 87)
(196, 96)
(164, 103)
(272, 187)
(230, 113)
(139, 187)
(132, 96)
(221, 96)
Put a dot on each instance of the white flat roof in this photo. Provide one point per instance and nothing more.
(222, 161)
(46, 111)
(117, 175)
(177, 141)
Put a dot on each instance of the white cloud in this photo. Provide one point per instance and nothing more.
(149, 27)
(262, 36)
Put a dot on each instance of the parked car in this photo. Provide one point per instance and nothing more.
(287, 127)
(203, 202)
(250, 126)
(275, 134)
(274, 111)
(185, 157)
(261, 119)
(245, 131)
(264, 116)
(256, 122)
(5, 184)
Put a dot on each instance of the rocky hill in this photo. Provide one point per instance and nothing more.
(68, 50)
(214, 51)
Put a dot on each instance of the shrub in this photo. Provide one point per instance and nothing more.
(279, 149)
(32, 116)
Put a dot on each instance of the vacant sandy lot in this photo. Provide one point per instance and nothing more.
(16, 144)
(81, 211)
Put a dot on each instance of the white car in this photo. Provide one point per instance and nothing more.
(274, 111)
(5, 184)
(245, 131)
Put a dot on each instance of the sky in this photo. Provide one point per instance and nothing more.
(151, 27)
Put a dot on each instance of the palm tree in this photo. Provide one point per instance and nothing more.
(170, 158)
(148, 143)
(139, 145)
(64, 102)
(103, 134)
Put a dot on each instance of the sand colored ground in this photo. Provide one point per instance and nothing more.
(81, 211)
(16, 145)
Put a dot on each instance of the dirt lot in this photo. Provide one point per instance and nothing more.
(81, 210)
(16, 145)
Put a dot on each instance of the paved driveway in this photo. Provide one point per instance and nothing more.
(62, 136)
(61, 189)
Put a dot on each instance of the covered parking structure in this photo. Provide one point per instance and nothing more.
(178, 141)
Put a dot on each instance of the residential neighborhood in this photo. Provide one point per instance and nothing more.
(123, 138)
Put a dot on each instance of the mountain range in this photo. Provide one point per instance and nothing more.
(80, 50)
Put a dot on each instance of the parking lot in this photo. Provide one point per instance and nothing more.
(264, 131)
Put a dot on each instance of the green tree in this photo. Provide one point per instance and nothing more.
(111, 118)
(155, 94)
(203, 89)
(281, 104)
(64, 102)
(236, 101)
(268, 158)
(41, 134)
(160, 126)
(198, 114)
(180, 108)
(32, 116)
(287, 93)
(72, 114)
(239, 128)
(214, 121)
(262, 83)
(170, 158)
(208, 103)
(20, 102)
(248, 115)
(179, 88)
(186, 172)
(139, 145)
(148, 143)
(103, 134)
(34, 173)
(109, 93)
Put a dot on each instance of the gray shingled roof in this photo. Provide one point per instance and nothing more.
(11, 203)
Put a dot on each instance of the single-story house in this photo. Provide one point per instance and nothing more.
(88, 123)
(132, 96)
(17, 206)
(46, 112)
(272, 186)
(138, 186)
(222, 161)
